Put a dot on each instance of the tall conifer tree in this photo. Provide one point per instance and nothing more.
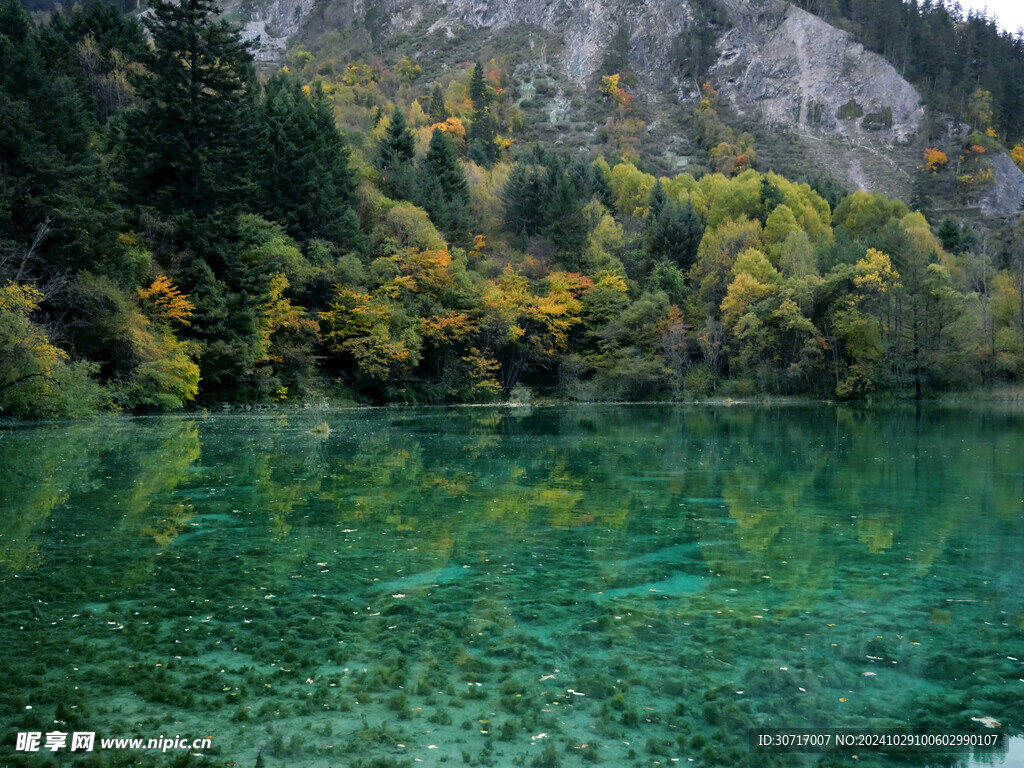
(306, 181)
(444, 193)
(568, 228)
(438, 111)
(190, 156)
(394, 157)
(190, 145)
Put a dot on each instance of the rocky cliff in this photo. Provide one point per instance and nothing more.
(804, 75)
(848, 108)
(270, 24)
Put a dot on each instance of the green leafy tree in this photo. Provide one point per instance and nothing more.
(36, 378)
(863, 213)
(376, 341)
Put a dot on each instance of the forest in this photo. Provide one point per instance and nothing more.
(178, 229)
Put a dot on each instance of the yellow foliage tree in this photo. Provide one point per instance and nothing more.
(875, 273)
(166, 376)
(755, 278)
(453, 128)
(366, 328)
(934, 159)
(1017, 153)
(409, 69)
(164, 303)
(26, 351)
(609, 84)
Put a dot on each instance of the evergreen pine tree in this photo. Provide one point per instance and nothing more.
(190, 153)
(949, 235)
(306, 180)
(771, 198)
(526, 199)
(600, 187)
(96, 46)
(444, 193)
(568, 229)
(478, 88)
(189, 149)
(656, 201)
(921, 193)
(394, 158)
(676, 234)
(482, 132)
(56, 206)
(483, 128)
(579, 175)
(478, 154)
(438, 111)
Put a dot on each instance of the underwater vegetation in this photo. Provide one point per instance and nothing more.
(609, 586)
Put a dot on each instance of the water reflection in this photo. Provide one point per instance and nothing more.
(692, 572)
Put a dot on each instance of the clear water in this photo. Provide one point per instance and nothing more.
(631, 586)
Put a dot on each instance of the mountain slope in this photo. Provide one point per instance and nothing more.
(822, 100)
(849, 108)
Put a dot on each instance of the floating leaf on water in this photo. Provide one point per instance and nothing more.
(988, 722)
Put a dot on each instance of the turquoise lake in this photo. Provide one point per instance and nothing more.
(497, 586)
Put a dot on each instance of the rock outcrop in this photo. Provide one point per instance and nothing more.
(270, 24)
(802, 74)
(1006, 194)
(850, 111)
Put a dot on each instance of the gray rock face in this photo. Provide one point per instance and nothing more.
(1006, 193)
(801, 74)
(587, 26)
(270, 23)
(850, 111)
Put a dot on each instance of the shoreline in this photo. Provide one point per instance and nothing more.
(946, 400)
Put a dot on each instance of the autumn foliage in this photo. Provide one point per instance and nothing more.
(165, 303)
(934, 159)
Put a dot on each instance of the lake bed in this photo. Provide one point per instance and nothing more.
(626, 585)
